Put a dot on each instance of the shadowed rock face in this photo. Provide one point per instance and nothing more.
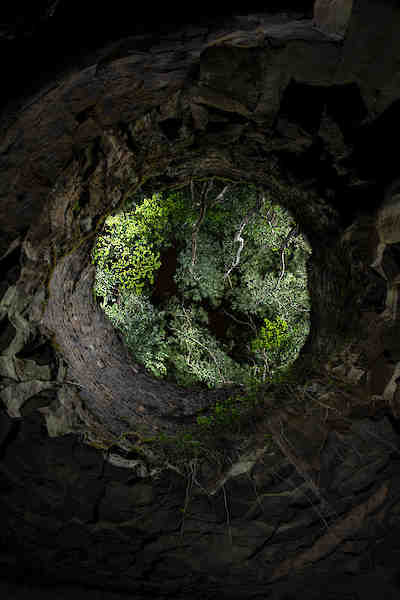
(308, 109)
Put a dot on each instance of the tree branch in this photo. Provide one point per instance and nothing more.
(187, 335)
(205, 192)
(220, 196)
(251, 324)
(238, 235)
(292, 233)
(196, 227)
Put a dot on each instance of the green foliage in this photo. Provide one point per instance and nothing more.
(195, 354)
(143, 329)
(225, 414)
(272, 335)
(229, 414)
(181, 443)
(268, 345)
(207, 280)
(128, 251)
(268, 308)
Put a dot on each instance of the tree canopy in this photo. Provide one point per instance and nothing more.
(207, 283)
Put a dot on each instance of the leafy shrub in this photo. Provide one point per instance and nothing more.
(197, 351)
(272, 335)
(207, 280)
(143, 329)
(128, 251)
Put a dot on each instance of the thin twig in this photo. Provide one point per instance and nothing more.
(251, 325)
(321, 403)
(72, 383)
(284, 245)
(228, 520)
(238, 235)
(187, 500)
(312, 504)
(284, 444)
(195, 231)
(202, 345)
(205, 192)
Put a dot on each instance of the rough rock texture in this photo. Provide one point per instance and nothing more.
(333, 16)
(312, 502)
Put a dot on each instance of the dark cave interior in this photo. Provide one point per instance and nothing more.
(305, 499)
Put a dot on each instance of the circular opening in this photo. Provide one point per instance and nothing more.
(207, 283)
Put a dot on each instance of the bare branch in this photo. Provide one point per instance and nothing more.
(208, 187)
(193, 339)
(205, 192)
(192, 192)
(196, 227)
(220, 196)
(237, 238)
(251, 324)
(238, 235)
(288, 239)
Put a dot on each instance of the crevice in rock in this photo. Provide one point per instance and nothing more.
(265, 543)
(90, 157)
(303, 104)
(347, 108)
(96, 505)
(85, 114)
(128, 137)
(394, 422)
(367, 488)
(44, 398)
(373, 143)
(39, 351)
(7, 333)
(9, 439)
(10, 269)
(170, 128)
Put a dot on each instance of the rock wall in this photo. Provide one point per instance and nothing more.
(307, 108)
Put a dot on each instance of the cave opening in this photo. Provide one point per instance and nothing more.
(206, 282)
